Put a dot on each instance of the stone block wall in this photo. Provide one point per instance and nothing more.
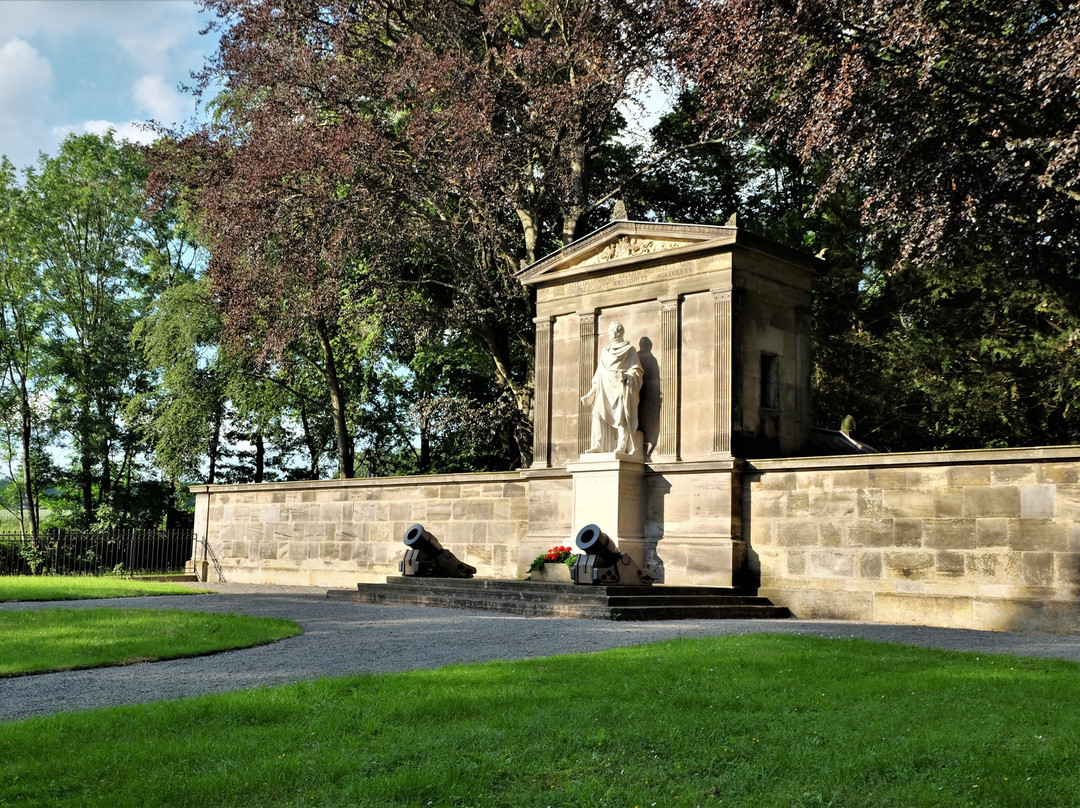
(981, 539)
(341, 532)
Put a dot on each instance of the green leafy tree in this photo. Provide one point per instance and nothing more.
(23, 318)
(87, 237)
(185, 409)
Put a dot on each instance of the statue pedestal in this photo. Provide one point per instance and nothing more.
(608, 493)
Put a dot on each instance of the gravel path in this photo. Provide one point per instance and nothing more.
(341, 638)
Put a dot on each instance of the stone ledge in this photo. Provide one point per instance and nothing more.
(1044, 454)
(364, 482)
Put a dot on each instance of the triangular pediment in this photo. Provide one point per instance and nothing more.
(620, 245)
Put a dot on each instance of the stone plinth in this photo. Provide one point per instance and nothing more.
(704, 561)
(608, 493)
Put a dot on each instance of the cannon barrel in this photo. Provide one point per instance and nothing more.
(427, 558)
(593, 541)
(417, 538)
(601, 562)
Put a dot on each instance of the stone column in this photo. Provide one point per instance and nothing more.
(722, 371)
(542, 401)
(668, 448)
(586, 369)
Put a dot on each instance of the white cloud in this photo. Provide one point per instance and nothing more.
(25, 75)
(153, 35)
(161, 102)
(83, 65)
(132, 131)
(155, 51)
(26, 82)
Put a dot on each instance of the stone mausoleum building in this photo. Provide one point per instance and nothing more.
(715, 491)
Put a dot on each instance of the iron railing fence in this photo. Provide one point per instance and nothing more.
(112, 552)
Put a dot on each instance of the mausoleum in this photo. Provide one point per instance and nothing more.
(710, 488)
(721, 321)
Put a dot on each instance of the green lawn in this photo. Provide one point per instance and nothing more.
(40, 640)
(755, 721)
(60, 587)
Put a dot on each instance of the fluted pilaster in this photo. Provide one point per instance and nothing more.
(542, 401)
(586, 369)
(669, 378)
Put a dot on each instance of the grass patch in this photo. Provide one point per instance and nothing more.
(41, 640)
(737, 721)
(59, 587)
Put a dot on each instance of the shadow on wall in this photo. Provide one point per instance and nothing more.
(659, 488)
(752, 574)
(649, 402)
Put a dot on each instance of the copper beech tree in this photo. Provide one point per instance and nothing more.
(949, 116)
(955, 128)
(383, 165)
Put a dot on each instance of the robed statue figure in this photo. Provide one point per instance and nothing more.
(614, 395)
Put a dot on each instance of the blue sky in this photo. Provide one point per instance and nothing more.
(86, 65)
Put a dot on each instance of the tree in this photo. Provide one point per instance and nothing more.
(84, 207)
(186, 407)
(22, 327)
(406, 156)
(954, 130)
(950, 116)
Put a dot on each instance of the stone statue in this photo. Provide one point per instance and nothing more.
(614, 395)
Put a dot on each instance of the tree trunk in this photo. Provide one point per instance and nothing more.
(309, 441)
(86, 481)
(425, 448)
(26, 428)
(86, 467)
(214, 448)
(497, 342)
(531, 232)
(337, 403)
(260, 455)
(105, 486)
(579, 189)
(174, 520)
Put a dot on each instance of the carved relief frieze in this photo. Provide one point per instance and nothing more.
(625, 248)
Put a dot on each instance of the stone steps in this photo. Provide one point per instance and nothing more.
(542, 599)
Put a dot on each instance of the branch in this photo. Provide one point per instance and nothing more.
(646, 169)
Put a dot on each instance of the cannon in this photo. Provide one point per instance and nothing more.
(600, 561)
(426, 558)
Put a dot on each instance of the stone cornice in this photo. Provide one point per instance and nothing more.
(639, 247)
(472, 478)
(1040, 454)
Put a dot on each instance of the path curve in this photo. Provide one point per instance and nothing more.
(342, 638)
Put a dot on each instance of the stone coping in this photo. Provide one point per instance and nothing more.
(1038, 454)
(724, 464)
(477, 477)
(1061, 454)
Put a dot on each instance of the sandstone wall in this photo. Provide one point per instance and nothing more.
(337, 533)
(982, 539)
